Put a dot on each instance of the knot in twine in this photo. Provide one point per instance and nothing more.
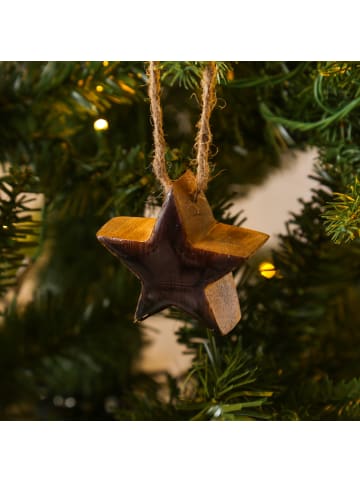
(203, 137)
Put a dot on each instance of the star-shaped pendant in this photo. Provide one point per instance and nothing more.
(184, 258)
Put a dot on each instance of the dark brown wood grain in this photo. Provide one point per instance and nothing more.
(184, 258)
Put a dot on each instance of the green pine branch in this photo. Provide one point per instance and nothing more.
(342, 216)
(325, 399)
(19, 228)
(188, 74)
(222, 385)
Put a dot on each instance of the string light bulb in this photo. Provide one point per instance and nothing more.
(99, 88)
(101, 125)
(267, 269)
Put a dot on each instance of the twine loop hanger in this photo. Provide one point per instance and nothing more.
(204, 136)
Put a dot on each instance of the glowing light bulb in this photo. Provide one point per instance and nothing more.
(99, 88)
(101, 125)
(70, 402)
(58, 401)
(267, 269)
(105, 63)
(5, 227)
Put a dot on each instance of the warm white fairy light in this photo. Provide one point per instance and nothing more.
(267, 269)
(101, 125)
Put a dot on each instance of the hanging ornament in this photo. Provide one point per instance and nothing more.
(184, 258)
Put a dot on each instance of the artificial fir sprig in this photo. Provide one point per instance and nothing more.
(306, 126)
(266, 80)
(188, 74)
(326, 400)
(19, 229)
(223, 384)
(342, 216)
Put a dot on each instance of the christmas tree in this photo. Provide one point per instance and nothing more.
(76, 149)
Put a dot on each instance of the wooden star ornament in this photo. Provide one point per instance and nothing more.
(184, 258)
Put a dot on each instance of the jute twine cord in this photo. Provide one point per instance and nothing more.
(204, 136)
(159, 163)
